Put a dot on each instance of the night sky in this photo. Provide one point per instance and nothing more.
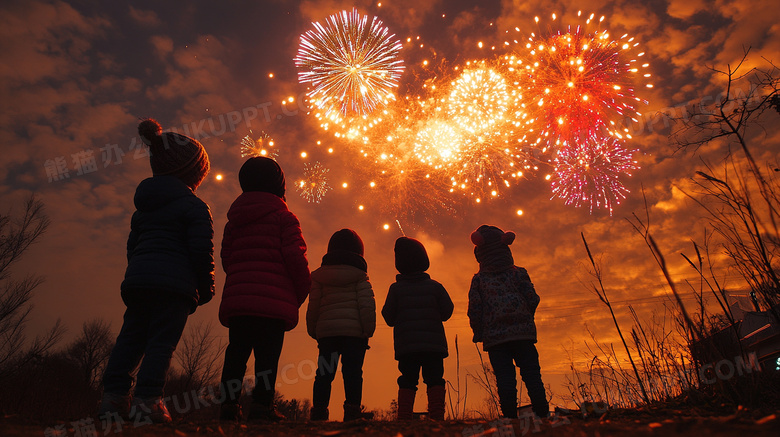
(75, 78)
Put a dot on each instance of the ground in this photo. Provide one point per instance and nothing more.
(634, 423)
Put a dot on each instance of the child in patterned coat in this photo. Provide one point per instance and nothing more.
(502, 303)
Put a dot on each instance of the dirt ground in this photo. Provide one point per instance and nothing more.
(622, 424)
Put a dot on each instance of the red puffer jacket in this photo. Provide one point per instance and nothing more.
(264, 258)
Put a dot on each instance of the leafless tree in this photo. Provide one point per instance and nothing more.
(16, 236)
(742, 199)
(199, 355)
(90, 351)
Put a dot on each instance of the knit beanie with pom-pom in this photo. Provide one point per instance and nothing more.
(174, 154)
(492, 248)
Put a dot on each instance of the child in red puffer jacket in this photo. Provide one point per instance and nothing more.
(267, 280)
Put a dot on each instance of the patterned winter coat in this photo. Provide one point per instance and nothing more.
(264, 258)
(170, 248)
(502, 306)
(416, 306)
(341, 303)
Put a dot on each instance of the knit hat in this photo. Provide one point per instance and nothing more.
(345, 247)
(346, 240)
(174, 154)
(262, 174)
(492, 248)
(410, 256)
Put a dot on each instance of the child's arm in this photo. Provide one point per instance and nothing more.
(475, 309)
(200, 240)
(132, 239)
(227, 246)
(528, 288)
(390, 310)
(445, 304)
(313, 311)
(294, 255)
(367, 308)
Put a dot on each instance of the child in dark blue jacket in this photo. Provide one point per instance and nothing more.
(416, 306)
(170, 271)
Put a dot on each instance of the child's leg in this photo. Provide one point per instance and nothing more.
(268, 341)
(410, 372)
(407, 386)
(327, 363)
(167, 321)
(433, 376)
(354, 350)
(527, 359)
(240, 337)
(506, 379)
(127, 353)
(433, 371)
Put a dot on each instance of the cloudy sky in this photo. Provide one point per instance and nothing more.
(75, 77)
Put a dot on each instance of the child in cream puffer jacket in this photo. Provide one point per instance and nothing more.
(342, 317)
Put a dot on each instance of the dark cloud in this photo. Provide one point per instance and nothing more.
(144, 17)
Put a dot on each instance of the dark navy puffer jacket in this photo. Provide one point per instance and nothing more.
(170, 248)
(416, 306)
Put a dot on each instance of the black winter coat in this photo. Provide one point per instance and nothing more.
(416, 306)
(170, 249)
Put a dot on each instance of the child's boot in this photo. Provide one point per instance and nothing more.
(230, 412)
(114, 404)
(150, 410)
(351, 412)
(319, 414)
(406, 403)
(538, 399)
(264, 412)
(355, 412)
(541, 407)
(508, 401)
(436, 396)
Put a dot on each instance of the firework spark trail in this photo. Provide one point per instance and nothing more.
(589, 173)
(262, 146)
(487, 167)
(351, 64)
(417, 194)
(400, 228)
(314, 184)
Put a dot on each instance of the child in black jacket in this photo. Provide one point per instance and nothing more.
(416, 306)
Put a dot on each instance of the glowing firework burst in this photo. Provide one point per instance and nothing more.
(589, 174)
(351, 64)
(262, 146)
(416, 193)
(314, 184)
(474, 129)
(478, 100)
(438, 144)
(487, 166)
(577, 83)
